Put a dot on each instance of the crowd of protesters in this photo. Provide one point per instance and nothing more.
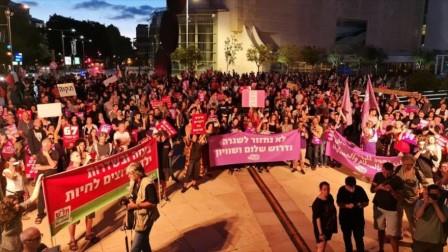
(105, 119)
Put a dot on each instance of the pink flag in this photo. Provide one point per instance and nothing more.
(347, 104)
(369, 103)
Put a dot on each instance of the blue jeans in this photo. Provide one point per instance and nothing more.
(141, 241)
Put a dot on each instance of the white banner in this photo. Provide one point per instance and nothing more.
(110, 80)
(49, 110)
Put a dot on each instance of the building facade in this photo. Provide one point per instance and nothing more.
(394, 26)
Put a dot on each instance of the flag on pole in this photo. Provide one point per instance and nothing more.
(369, 103)
(347, 104)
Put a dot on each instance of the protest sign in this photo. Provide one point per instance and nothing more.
(66, 89)
(156, 103)
(110, 80)
(167, 127)
(70, 134)
(285, 93)
(198, 124)
(49, 110)
(354, 158)
(241, 147)
(71, 195)
(253, 98)
(167, 101)
(292, 86)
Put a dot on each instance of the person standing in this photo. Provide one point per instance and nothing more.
(193, 170)
(324, 216)
(144, 202)
(412, 181)
(431, 220)
(386, 186)
(352, 199)
(76, 162)
(46, 164)
(316, 142)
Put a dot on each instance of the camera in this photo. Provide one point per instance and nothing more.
(433, 196)
(124, 201)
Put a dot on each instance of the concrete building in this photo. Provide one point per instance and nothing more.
(394, 26)
(142, 43)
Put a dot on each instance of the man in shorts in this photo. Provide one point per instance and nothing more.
(387, 186)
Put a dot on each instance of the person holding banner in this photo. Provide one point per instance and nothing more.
(46, 164)
(143, 202)
(370, 137)
(163, 151)
(194, 162)
(316, 142)
(76, 162)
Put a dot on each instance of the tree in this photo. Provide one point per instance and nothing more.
(371, 55)
(334, 59)
(259, 55)
(189, 57)
(288, 54)
(231, 47)
(27, 39)
(311, 55)
(423, 59)
(105, 39)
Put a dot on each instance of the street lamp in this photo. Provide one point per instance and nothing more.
(62, 38)
(9, 14)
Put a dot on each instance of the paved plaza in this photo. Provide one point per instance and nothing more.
(228, 213)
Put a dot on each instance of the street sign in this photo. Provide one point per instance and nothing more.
(68, 60)
(18, 57)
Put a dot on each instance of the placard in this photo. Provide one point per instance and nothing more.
(167, 101)
(49, 110)
(167, 127)
(292, 86)
(253, 98)
(110, 80)
(156, 103)
(198, 124)
(66, 89)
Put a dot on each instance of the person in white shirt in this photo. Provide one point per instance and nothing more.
(15, 179)
(122, 139)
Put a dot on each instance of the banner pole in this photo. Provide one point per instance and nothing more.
(159, 184)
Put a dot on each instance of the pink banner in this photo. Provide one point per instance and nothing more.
(166, 126)
(351, 156)
(246, 148)
(253, 98)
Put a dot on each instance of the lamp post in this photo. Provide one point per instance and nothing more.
(62, 39)
(9, 14)
(187, 17)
